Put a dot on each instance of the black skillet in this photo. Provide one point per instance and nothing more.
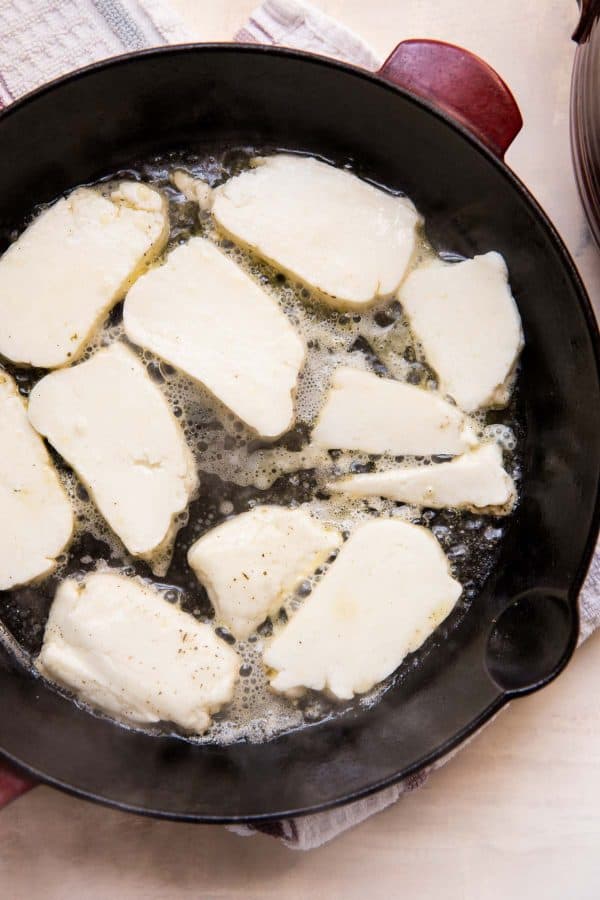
(523, 626)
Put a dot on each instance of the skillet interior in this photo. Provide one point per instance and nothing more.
(98, 121)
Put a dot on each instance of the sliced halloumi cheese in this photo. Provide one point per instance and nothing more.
(110, 422)
(476, 480)
(193, 189)
(346, 239)
(67, 269)
(121, 647)
(34, 509)
(203, 314)
(467, 321)
(378, 415)
(250, 562)
(386, 592)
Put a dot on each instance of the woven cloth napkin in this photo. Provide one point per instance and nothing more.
(41, 39)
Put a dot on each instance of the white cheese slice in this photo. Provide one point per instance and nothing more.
(203, 314)
(389, 588)
(193, 189)
(111, 423)
(346, 239)
(468, 323)
(250, 562)
(122, 648)
(34, 509)
(475, 480)
(67, 269)
(377, 415)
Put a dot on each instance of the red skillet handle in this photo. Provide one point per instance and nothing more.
(461, 85)
(12, 785)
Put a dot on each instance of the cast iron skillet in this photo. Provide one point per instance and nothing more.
(523, 627)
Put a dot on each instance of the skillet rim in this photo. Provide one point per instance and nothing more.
(505, 696)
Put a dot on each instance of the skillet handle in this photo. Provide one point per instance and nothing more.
(12, 784)
(460, 84)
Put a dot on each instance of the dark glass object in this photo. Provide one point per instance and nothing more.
(585, 112)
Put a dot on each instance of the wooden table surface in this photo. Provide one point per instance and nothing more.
(517, 813)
